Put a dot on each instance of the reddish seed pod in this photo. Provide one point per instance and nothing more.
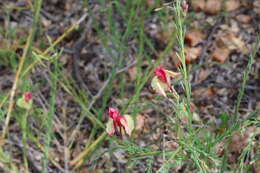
(27, 97)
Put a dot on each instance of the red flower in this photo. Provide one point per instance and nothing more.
(161, 82)
(119, 123)
(116, 117)
(161, 74)
(27, 97)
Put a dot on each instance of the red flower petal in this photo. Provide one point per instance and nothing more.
(115, 116)
(161, 74)
(113, 113)
(118, 122)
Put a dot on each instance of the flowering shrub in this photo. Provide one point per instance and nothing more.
(119, 124)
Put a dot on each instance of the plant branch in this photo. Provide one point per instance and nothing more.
(26, 52)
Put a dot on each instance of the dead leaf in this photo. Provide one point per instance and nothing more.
(257, 167)
(174, 76)
(21, 33)
(220, 148)
(120, 155)
(184, 120)
(46, 22)
(132, 71)
(161, 82)
(222, 92)
(256, 6)
(128, 124)
(194, 37)
(140, 119)
(246, 3)
(150, 3)
(159, 86)
(165, 35)
(231, 5)
(220, 54)
(213, 6)
(203, 74)
(198, 5)
(240, 141)
(192, 53)
(171, 145)
(175, 58)
(244, 18)
(211, 92)
(258, 105)
(203, 93)
(233, 27)
(110, 128)
(196, 117)
(231, 41)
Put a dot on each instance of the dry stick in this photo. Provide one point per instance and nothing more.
(74, 26)
(17, 76)
(49, 16)
(4, 100)
(65, 139)
(77, 161)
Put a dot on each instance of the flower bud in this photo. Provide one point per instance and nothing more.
(27, 97)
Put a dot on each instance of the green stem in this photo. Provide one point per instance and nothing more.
(26, 52)
(50, 117)
(24, 140)
(185, 72)
(246, 77)
(169, 160)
